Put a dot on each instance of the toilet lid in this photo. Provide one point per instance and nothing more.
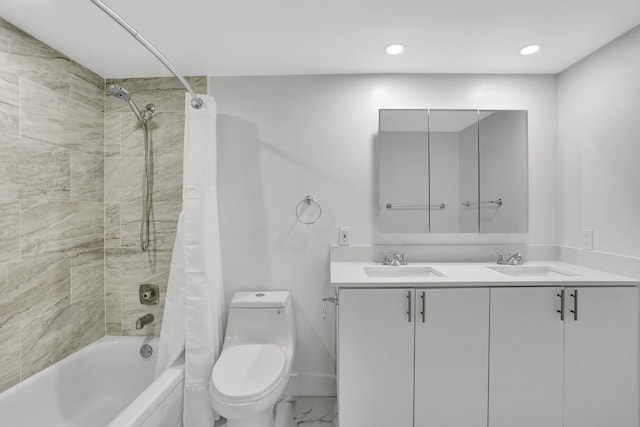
(246, 371)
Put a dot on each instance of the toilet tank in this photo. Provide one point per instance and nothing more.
(261, 317)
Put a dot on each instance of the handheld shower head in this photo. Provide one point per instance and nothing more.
(121, 93)
(118, 92)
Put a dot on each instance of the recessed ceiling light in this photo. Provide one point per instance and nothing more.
(529, 50)
(394, 49)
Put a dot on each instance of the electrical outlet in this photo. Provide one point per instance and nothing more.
(343, 237)
(587, 239)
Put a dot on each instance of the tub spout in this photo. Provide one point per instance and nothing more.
(144, 320)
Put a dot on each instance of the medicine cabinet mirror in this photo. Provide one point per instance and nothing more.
(452, 171)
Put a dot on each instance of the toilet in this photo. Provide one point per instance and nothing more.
(253, 369)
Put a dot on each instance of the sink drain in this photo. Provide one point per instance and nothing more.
(146, 351)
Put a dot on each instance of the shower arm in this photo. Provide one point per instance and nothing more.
(196, 102)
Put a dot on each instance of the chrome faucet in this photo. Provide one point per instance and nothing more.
(144, 320)
(513, 259)
(398, 259)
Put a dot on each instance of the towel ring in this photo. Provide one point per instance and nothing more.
(308, 211)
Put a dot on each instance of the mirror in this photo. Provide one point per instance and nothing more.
(452, 171)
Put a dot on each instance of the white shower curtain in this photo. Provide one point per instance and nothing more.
(194, 304)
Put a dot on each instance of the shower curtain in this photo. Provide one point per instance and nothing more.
(194, 303)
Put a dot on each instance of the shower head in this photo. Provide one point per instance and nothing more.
(121, 93)
(118, 92)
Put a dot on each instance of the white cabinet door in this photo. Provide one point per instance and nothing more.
(452, 351)
(601, 358)
(525, 358)
(375, 357)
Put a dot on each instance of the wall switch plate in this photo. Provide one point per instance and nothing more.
(587, 239)
(343, 236)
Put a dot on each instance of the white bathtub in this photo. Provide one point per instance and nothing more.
(106, 384)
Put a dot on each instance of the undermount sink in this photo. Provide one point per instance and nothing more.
(531, 271)
(402, 271)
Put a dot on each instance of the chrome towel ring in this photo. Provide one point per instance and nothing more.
(308, 211)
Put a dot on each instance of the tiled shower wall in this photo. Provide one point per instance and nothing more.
(126, 266)
(51, 206)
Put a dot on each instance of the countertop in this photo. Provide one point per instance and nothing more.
(352, 274)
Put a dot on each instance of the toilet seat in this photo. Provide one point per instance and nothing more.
(246, 372)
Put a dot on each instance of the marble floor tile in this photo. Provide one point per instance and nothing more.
(308, 411)
(313, 411)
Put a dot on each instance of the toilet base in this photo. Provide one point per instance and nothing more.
(261, 419)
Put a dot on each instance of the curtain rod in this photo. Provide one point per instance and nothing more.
(196, 102)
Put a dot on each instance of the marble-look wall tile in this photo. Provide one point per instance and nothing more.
(55, 335)
(123, 179)
(113, 306)
(112, 225)
(87, 274)
(125, 268)
(166, 134)
(166, 93)
(9, 104)
(87, 177)
(32, 287)
(42, 113)
(132, 310)
(9, 230)
(83, 128)
(33, 170)
(164, 222)
(50, 117)
(51, 249)
(51, 226)
(87, 87)
(33, 60)
(9, 356)
(112, 129)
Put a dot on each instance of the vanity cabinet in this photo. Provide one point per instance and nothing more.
(488, 356)
(400, 346)
(526, 348)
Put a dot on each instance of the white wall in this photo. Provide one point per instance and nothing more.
(281, 138)
(599, 148)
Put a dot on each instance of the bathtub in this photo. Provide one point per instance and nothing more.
(106, 384)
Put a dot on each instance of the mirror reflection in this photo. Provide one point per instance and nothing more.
(452, 171)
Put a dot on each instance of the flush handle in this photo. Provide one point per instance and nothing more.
(332, 300)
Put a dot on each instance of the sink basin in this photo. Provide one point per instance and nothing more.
(531, 271)
(402, 271)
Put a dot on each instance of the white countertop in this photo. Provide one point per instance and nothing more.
(352, 274)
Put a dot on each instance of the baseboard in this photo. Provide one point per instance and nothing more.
(311, 385)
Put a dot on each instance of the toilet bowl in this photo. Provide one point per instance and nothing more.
(253, 369)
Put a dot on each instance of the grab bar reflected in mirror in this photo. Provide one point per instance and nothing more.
(440, 206)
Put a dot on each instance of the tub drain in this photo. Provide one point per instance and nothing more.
(146, 351)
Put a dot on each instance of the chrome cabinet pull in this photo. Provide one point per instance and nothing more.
(409, 305)
(561, 311)
(575, 304)
(424, 306)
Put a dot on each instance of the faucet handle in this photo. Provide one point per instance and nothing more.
(386, 260)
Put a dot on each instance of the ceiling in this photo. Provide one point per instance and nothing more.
(284, 37)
